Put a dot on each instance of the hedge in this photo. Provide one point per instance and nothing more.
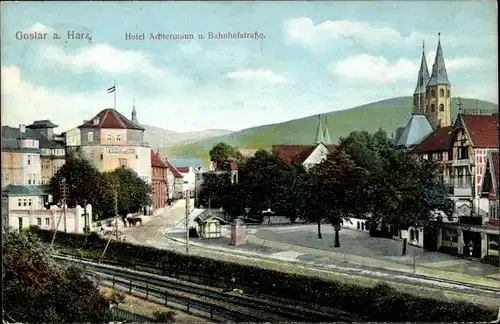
(379, 303)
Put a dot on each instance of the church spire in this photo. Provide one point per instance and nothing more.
(439, 75)
(326, 134)
(423, 74)
(319, 132)
(134, 114)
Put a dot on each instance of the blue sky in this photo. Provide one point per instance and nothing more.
(315, 57)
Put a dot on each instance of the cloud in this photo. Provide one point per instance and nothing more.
(304, 32)
(260, 75)
(104, 58)
(40, 28)
(379, 69)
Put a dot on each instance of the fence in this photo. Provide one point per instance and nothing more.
(120, 314)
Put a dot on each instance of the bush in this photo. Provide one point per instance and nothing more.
(380, 303)
(164, 316)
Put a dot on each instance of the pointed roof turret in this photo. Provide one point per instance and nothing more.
(319, 132)
(423, 74)
(134, 114)
(439, 75)
(326, 134)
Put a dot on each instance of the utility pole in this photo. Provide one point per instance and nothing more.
(187, 222)
(63, 195)
(116, 226)
(85, 220)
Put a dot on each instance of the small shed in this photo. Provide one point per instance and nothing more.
(209, 225)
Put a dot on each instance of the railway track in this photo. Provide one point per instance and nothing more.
(265, 309)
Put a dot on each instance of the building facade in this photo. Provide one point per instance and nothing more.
(109, 140)
(177, 186)
(159, 181)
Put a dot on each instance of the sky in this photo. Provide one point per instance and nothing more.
(314, 57)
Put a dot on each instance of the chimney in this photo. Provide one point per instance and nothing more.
(22, 128)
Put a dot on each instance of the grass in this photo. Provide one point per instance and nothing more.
(386, 114)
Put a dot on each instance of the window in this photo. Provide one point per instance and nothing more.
(123, 162)
(463, 153)
(29, 202)
(433, 108)
(90, 136)
(24, 202)
(448, 93)
(441, 107)
(440, 156)
(39, 221)
(19, 202)
(108, 137)
(47, 221)
(20, 219)
(29, 159)
(441, 93)
(433, 93)
(118, 138)
(102, 156)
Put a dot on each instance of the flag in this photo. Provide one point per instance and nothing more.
(112, 89)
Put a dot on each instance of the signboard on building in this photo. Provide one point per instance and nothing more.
(121, 151)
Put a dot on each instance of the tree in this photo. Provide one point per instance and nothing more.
(220, 154)
(215, 190)
(339, 187)
(133, 192)
(38, 290)
(84, 185)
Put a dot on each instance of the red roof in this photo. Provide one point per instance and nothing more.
(482, 129)
(156, 161)
(183, 169)
(110, 118)
(292, 153)
(233, 166)
(173, 169)
(437, 141)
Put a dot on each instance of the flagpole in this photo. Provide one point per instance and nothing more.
(114, 85)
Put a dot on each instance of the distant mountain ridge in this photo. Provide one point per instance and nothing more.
(388, 114)
(161, 138)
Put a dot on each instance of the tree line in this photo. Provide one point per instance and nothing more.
(365, 176)
(120, 191)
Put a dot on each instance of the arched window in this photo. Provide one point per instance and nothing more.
(441, 93)
(412, 235)
(433, 108)
(448, 93)
(441, 107)
(433, 93)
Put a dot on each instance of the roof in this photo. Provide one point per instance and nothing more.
(183, 169)
(332, 148)
(439, 75)
(43, 142)
(206, 216)
(233, 166)
(320, 136)
(482, 130)
(423, 75)
(437, 141)
(293, 153)
(417, 128)
(174, 170)
(37, 124)
(247, 152)
(15, 190)
(156, 161)
(110, 118)
(12, 145)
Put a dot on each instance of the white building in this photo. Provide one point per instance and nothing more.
(189, 178)
(110, 140)
(22, 198)
(31, 171)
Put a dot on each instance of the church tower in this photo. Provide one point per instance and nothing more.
(134, 115)
(438, 92)
(320, 135)
(418, 107)
(326, 134)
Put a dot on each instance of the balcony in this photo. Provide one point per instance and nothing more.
(460, 186)
(461, 162)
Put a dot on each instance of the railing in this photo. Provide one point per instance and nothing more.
(462, 162)
(120, 314)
